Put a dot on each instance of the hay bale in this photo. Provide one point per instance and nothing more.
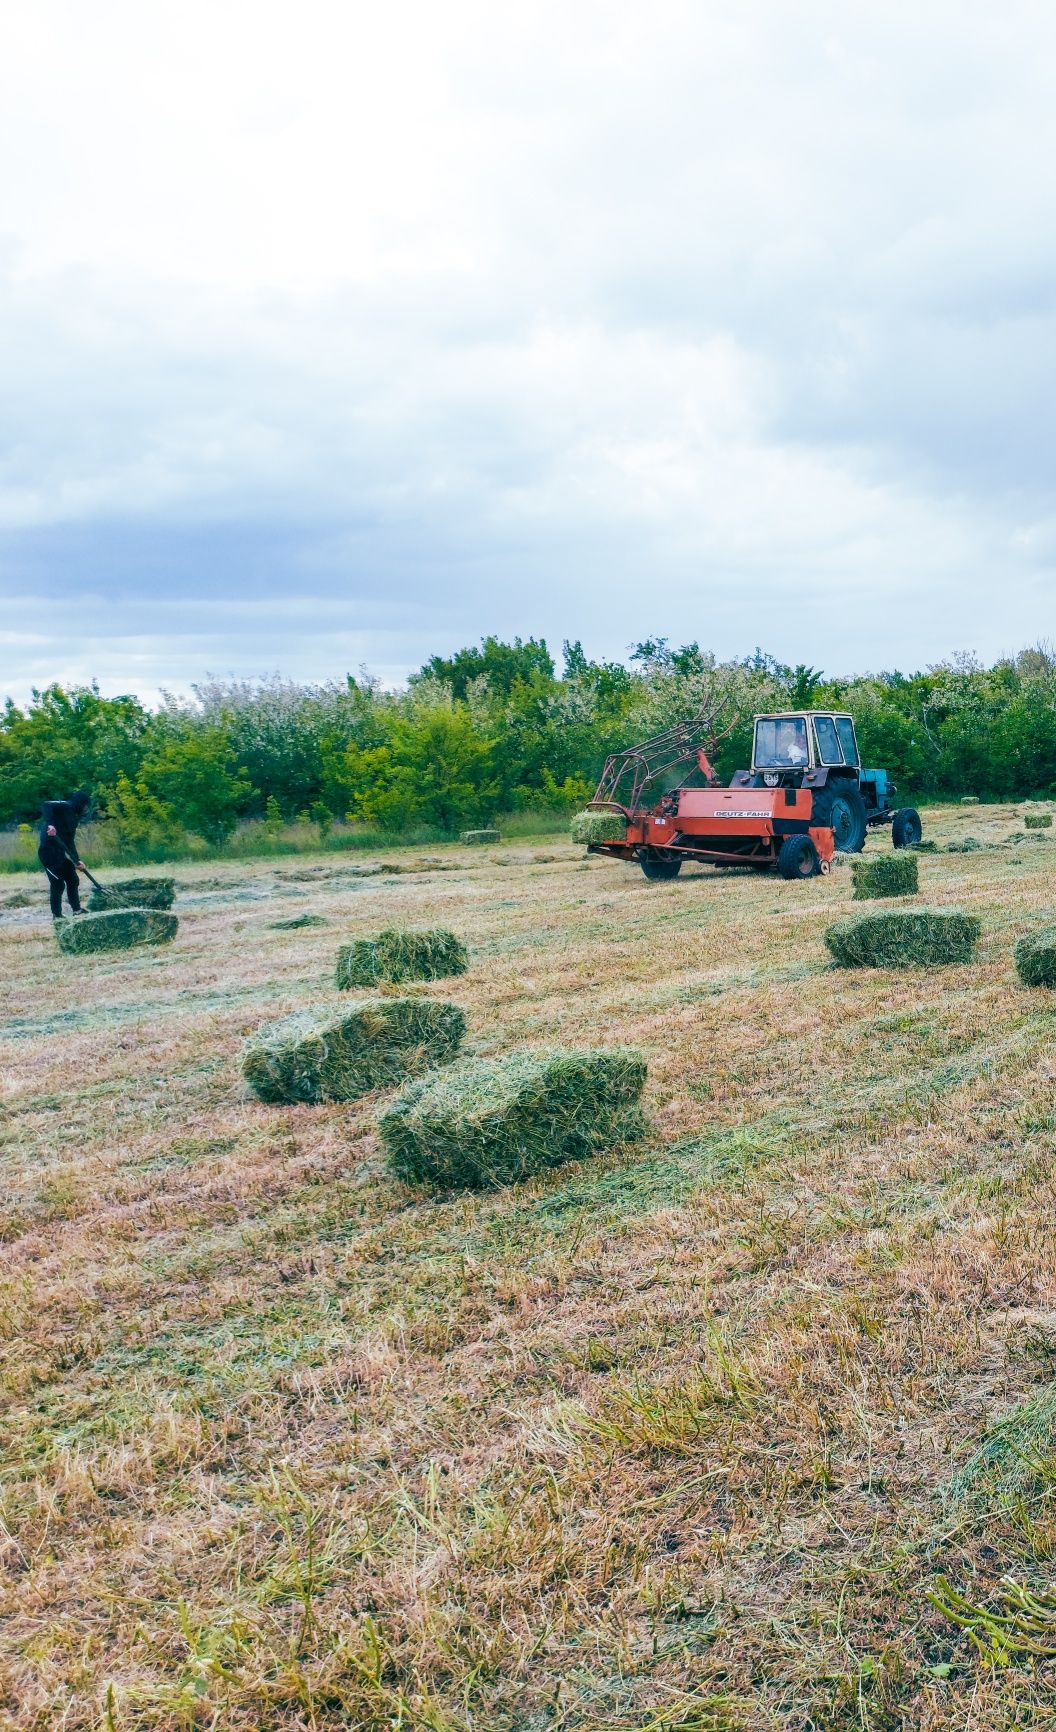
(338, 1055)
(401, 953)
(476, 838)
(490, 1122)
(969, 799)
(590, 827)
(884, 875)
(121, 930)
(296, 921)
(1035, 957)
(1038, 821)
(903, 938)
(134, 893)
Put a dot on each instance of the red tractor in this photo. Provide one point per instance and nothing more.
(805, 796)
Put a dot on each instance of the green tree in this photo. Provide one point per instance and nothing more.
(193, 771)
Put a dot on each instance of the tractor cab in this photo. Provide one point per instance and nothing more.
(789, 749)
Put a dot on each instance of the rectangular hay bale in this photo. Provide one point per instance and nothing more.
(123, 929)
(400, 953)
(338, 1055)
(134, 893)
(479, 837)
(490, 1122)
(590, 827)
(1035, 957)
(903, 938)
(893, 874)
(1038, 821)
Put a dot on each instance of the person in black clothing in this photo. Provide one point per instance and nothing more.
(58, 850)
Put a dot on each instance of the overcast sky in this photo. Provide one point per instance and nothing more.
(335, 333)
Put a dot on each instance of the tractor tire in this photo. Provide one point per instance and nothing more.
(655, 866)
(798, 858)
(906, 828)
(842, 809)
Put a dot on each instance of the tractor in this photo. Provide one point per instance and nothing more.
(805, 797)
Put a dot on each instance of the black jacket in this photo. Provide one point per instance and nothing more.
(64, 814)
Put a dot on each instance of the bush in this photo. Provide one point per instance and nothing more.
(121, 930)
(1035, 957)
(492, 1122)
(903, 938)
(884, 875)
(134, 893)
(401, 953)
(340, 1055)
(480, 836)
(598, 827)
(1038, 821)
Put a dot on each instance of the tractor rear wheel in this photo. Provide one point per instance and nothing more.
(843, 810)
(798, 858)
(656, 865)
(906, 828)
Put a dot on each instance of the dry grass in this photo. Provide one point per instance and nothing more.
(677, 1440)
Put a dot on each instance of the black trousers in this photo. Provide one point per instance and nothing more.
(62, 875)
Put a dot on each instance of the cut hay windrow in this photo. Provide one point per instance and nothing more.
(124, 929)
(296, 921)
(927, 846)
(489, 1122)
(1035, 957)
(338, 1055)
(884, 875)
(401, 953)
(133, 893)
(903, 938)
(476, 838)
(590, 827)
(1038, 821)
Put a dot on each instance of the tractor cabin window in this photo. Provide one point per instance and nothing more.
(845, 729)
(780, 743)
(828, 744)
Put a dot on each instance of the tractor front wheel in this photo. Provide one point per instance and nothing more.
(656, 865)
(906, 828)
(843, 809)
(798, 858)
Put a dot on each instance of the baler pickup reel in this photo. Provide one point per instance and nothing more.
(630, 774)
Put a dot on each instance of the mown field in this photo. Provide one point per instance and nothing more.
(689, 1436)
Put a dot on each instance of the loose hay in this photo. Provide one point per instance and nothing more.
(598, 827)
(928, 846)
(296, 922)
(133, 893)
(121, 930)
(903, 938)
(1038, 821)
(339, 1055)
(884, 875)
(474, 837)
(490, 1122)
(401, 953)
(1035, 957)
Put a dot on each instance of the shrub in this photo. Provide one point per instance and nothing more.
(903, 938)
(884, 875)
(1035, 957)
(120, 930)
(339, 1055)
(598, 827)
(492, 1122)
(134, 893)
(475, 837)
(1038, 821)
(401, 953)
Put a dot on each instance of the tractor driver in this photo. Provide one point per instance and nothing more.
(791, 744)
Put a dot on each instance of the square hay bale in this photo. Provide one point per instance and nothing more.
(490, 1122)
(969, 799)
(1035, 957)
(122, 930)
(338, 1055)
(476, 838)
(884, 875)
(401, 953)
(1038, 821)
(134, 893)
(590, 827)
(903, 938)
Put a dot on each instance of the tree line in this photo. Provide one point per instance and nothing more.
(493, 729)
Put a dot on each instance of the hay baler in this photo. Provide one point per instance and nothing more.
(805, 796)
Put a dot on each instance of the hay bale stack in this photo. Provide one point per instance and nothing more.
(491, 1122)
(134, 893)
(903, 938)
(122, 930)
(476, 838)
(598, 827)
(316, 1056)
(401, 953)
(1035, 957)
(1038, 821)
(884, 875)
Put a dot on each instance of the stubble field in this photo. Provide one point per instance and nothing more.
(690, 1436)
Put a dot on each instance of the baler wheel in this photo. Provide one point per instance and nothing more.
(655, 866)
(798, 858)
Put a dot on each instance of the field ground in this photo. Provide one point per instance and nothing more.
(684, 1437)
